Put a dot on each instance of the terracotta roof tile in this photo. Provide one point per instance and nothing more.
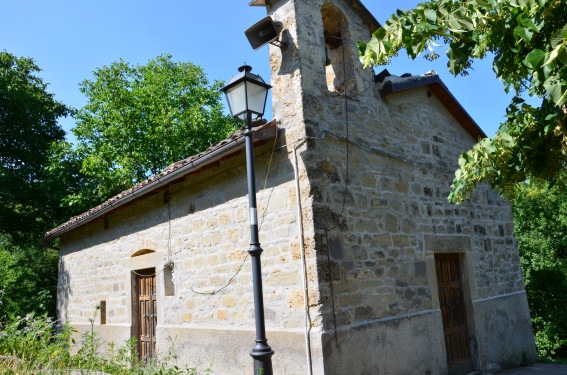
(261, 131)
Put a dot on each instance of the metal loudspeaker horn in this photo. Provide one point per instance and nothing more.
(263, 32)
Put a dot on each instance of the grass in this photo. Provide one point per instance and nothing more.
(33, 345)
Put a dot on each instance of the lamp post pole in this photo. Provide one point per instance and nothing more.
(246, 95)
(262, 352)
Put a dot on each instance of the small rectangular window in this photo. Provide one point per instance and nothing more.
(102, 312)
(168, 280)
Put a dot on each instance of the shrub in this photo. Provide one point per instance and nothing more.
(33, 345)
(540, 225)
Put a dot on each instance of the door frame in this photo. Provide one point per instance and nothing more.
(136, 326)
(467, 364)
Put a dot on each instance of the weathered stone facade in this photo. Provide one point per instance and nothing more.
(373, 174)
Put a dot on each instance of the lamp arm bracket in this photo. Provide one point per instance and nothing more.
(278, 43)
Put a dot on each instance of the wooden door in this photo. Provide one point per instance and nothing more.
(451, 302)
(147, 313)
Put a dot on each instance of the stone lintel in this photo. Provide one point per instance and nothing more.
(447, 243)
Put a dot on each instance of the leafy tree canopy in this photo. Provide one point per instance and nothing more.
(137, 120)
(528, 40)
(29, 278)
(28, 127)
(540, 224)
(29, 193)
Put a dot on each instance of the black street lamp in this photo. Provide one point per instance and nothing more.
(246, 94)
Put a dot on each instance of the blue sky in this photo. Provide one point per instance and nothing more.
(70, 38)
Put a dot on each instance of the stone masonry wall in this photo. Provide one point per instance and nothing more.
(204, 231)
(374, 174)
(378, 201)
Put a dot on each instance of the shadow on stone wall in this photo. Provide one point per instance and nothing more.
(208, 188)
(63, 291)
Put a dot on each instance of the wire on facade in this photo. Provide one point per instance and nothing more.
(266, 182)
(224, 286)
(341, 214)
(263, 217)
(169, 229)
(214, 176)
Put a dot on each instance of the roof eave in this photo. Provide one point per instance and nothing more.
(264, 132)
(443, 94)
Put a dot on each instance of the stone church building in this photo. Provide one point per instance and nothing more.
(367, 269)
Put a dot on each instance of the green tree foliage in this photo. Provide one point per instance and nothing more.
(28, 127)
(528, 41)
(29, 193)
(540, 220)
(138, 120)
(29, 279)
